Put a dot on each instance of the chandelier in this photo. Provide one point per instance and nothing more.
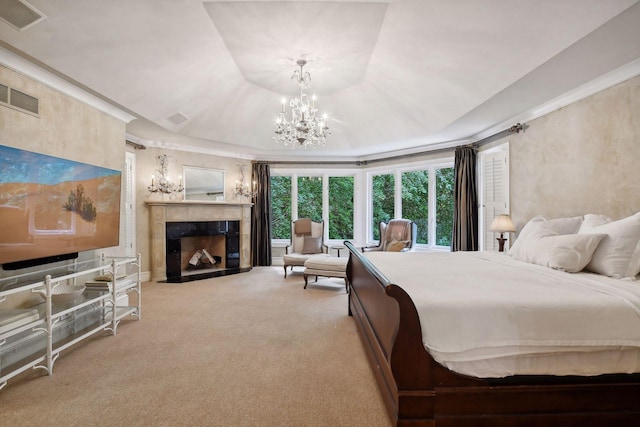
(242, 187)
(305, 129)
(160, 182)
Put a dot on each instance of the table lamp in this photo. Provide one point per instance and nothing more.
(502, 224)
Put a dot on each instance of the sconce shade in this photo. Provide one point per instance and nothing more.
(502, 224)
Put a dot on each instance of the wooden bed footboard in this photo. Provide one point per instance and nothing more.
(418, 391)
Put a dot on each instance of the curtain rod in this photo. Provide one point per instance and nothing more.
(515, 128)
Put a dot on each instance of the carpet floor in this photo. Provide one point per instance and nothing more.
(252, 349)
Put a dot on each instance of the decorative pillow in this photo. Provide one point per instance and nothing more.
(397, 245)
(312, 245)
(618, 254)
(567, 252)
(553, 226)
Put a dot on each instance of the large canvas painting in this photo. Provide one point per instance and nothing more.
(51, 206)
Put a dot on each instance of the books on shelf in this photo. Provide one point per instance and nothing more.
(102, 285)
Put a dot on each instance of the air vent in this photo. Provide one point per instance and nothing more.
(15, 99)
(23, 101)
(178, 118)
(4, 94)
(19, 14)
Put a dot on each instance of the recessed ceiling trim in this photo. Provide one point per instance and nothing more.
(19, 14)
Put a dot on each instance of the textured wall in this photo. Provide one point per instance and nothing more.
(66, 127)
(583, 158)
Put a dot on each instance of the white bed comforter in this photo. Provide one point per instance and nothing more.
(485, 314)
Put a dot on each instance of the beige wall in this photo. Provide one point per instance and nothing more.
(65, 128)
(583, 158)
(146, 164)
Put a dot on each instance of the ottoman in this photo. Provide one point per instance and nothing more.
(326, 267)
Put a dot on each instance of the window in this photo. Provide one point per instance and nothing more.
(423, 195)
(415, 201)
(341, 207)
(281, 207)
(316, 196)
(445, 179)
(382, 195)
(310, 197)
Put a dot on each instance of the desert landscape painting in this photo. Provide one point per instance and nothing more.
(52, 206)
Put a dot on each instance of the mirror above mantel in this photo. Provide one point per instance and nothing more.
(203, 183)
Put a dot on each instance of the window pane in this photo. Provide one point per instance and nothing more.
(415, 201)
(341, 207)
(383, 201)
(310, 197)
(444, 206)
(281, 207)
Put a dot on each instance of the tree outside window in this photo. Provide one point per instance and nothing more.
(445, 179)
(310, 197)
(415, 201)
(383, 202)
(281, 207)
(341, 207)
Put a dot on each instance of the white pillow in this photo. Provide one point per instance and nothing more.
(567, 252)
(553, 226)
(618, 254)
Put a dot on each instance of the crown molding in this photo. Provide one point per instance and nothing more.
(20, 65)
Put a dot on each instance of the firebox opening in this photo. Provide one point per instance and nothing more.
(202, 254)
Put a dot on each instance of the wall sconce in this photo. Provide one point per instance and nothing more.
(242, 187)
(502, 224)
(160, 182)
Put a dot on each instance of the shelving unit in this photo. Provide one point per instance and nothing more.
(35, 336)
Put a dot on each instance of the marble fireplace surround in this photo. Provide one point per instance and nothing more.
(162, 212)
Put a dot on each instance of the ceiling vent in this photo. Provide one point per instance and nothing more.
(177, 118)
(18, 100)
(19, 14)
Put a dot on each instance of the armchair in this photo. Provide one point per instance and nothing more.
(307, 240)
(399, 235)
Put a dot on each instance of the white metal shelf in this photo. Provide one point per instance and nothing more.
(41, 341)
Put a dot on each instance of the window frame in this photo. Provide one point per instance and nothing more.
(397, 170)
(362, 196)
(325, 175)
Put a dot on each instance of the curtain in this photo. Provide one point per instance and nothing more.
(465, 204)
(261, 215)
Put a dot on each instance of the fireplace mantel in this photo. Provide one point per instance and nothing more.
(161, 212)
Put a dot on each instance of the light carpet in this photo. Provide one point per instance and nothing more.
(252, 349)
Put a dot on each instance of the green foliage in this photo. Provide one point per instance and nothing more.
(383, 201)
(341, 207)
(310, 197)
(415, 201)
(445, 179)
(82, 205)
(281, 207)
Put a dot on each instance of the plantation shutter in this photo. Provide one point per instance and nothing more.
(495, 193)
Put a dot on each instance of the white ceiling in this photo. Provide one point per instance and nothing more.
(392, 75)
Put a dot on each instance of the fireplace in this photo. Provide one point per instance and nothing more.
(179, 229)
(219, 240)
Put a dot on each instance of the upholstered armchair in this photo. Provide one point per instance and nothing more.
(307, 240)
(399, 235)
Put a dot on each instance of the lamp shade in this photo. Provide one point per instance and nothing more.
(502, 224)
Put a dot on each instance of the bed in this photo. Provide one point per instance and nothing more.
(590, 380)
